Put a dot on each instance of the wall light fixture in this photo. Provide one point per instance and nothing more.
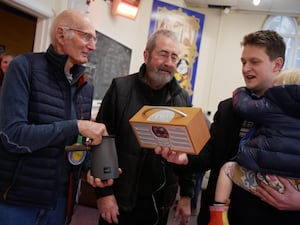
(126, 8)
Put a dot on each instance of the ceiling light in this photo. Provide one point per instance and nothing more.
(256, 2)
(226, 10)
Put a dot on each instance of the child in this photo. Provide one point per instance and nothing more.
(272, 148)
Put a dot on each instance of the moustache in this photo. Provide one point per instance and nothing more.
(164, 69)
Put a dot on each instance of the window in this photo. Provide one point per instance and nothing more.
(289, 29)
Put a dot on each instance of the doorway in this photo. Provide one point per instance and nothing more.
(17, 30)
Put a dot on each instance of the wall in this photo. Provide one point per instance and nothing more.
(219, 67)
(226, 66)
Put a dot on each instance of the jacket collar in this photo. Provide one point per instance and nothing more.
(58, 62)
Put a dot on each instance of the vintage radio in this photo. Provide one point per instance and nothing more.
(182, 129)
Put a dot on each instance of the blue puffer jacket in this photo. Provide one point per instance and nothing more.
(36, 123)
(275, 146)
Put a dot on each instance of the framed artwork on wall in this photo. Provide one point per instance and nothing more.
(188, 25)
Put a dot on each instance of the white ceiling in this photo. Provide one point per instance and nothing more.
(291, 7)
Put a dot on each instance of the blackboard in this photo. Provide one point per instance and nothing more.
(109, 60)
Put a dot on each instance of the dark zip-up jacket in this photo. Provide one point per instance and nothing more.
(144, 172)
(36, 123)
(226, 131)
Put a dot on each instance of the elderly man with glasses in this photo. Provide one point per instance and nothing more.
(45, 106)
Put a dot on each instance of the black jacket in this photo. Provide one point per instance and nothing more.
(221, 147)
(144, 172)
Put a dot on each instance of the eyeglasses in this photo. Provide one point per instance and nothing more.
(164, 55)
(85, 36)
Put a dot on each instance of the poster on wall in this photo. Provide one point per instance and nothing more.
(188, 25)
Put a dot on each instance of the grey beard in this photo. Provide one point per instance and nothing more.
(158, 79)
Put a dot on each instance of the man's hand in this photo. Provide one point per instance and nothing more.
(92, 130)
(179, 158)
(96, 182)
(183, 210)
(288, 200)
(108, 208)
